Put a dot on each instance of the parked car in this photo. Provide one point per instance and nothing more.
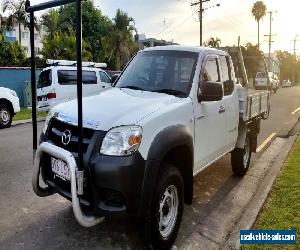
(261, 81)
(286, 84)
(57, 83)
(9, 106)
(173, 112)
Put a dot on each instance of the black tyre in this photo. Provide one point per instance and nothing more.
(5, 116)
(240, 159)
(166, 211)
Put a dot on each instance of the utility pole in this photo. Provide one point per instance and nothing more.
(270, 40)
(200, 3)
(270, 44)
(295, 58)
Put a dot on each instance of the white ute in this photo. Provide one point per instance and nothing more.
(9, 106)
(173, 111)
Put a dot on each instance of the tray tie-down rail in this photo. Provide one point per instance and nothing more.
(76, 181)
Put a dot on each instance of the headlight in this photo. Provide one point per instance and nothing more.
(124, 140)
(13, 93)
(48, 118)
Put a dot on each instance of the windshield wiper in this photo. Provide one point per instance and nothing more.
(132, 87)
(170, 92)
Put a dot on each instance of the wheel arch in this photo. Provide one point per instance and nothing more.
(173, 145)
(9, 105)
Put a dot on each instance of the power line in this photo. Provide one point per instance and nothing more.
(200, 3)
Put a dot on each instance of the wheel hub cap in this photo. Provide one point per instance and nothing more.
(168, 208)
(4, 116)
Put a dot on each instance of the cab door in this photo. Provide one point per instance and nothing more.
(230, 101)
(210, 119)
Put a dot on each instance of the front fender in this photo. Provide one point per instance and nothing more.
(164, 142)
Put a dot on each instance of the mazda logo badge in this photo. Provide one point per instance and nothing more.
(66, 137)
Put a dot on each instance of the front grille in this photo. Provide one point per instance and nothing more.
(55, 133)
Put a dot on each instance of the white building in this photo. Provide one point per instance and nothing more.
(13, 36)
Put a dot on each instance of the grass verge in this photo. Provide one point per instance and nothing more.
(282, 208)
(25, 114)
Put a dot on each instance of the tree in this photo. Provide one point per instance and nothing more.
(18, 13)
(120, 44)
(11, 54)
(63, 46)
(258, 11)
(253, 59)
(51, 21)
(95, 26)
(213, 42)
(287, 62)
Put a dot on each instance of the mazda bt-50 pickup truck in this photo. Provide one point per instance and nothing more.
(172, 112)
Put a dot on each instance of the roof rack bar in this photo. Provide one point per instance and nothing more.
(46, 5)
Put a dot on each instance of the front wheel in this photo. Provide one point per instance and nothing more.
(240, 159)
(166, 210)
(5, 116)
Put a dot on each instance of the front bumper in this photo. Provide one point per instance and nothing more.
(112, 185)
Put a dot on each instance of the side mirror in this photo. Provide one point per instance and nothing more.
(114, 78)
(210, 91)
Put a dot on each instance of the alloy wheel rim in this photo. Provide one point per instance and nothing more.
(168, 209)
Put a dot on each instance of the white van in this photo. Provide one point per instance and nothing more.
(57, 83)
(261, 81)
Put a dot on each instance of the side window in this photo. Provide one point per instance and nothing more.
(89, 77)
(104, 77)
(226, 75)
(69, 77)
(211, 71)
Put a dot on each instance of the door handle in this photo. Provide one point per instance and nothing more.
(222, 110)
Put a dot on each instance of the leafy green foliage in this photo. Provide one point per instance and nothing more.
(119, 46)
(253, 59)
(11, 54)
(63, 46)
(282, 209)
(95, 26)
(259, 10)
(287, 63)
(213, 42)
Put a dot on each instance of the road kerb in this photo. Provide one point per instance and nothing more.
(256, 203)
(14, 123)
(266, 143)
(296, 111)
(221, 224)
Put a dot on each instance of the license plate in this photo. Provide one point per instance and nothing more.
(60, 169)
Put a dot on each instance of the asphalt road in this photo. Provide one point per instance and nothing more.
(30, 222)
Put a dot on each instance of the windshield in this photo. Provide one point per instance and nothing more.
(44, 79)
(169, 72)
(261, 75)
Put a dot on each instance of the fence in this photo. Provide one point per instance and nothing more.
(15, 78)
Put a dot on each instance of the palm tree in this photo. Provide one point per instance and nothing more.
(120, 43)
(258, 11)
(213, 42)
(52, 21)
(18, 13)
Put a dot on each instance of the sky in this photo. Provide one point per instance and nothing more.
(176, 20)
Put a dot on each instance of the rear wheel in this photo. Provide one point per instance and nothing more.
(240, 159)
(5, 116)
(166, 210)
